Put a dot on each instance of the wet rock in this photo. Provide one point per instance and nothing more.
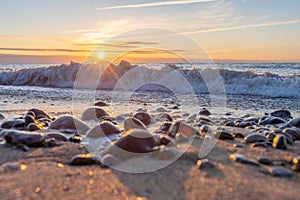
(69, 123)
(183, 128)
(205, 164)
(242, 159)
(85, 159)
(133, 123)
(26, 138)
(245, 124)
(204, 129)
(104, 129)
(205, 112)
(284, 114)
(254, 137)
(265, 161)
(295, 122)
(39, 113)
(229, 123)
(279, 142)
(296, 164)
(294, 132)
(100, 104)
(239, 135)
(281, 172)
(75, 139)
(93, 113)
(166, 141)
(56, 136)
(252, 119)
(164, 128)
(271, 120)
(33, 127)
(10, 124)
(51, 143)
(223, 135)
(143, 117)
(259, 144)
(29, 119)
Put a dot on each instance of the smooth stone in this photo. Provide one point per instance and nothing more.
(29, 139)
(164, 128)
(102, 130)
(100, 104)
(245, 124)
(160, 110)
(85, 159)
(204, 129)
(281, 172)
(252, 119)
(279, 142)
(75, 139)
(202, 118)
(295, 122)
(239, 135)
(239, 145)
(29, 119)
(205, 164)
(296, 164)
(2, 116)
(183, 128)
(284, 114)
(33, 127)
(143, 117)
(133, 123)
(223, 135)
(111, 160)
(295, 132)
(205, 112)
(254, 137)
(259, 144)
(38, 112)
(265, 161)
(271, 120)
(165, 117)
(68, 122)
(242, 159)
(229, 123)
(166, 141)
(93, 113)
(10, 124)
(56, 136)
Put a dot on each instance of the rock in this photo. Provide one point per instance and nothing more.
(175, 108)
(242, 159)
(204, 129)
(164, 128)
(33, 127)
(39, 113)
(133, 123)
(160, 110)
(166, 141)
(2, 116)
(284, 114)
(223, 135)
(26, 138)
(100, 104)
(239, 135)
(104, 129)
(12, 123)
(254, 137)
(204, 111)
(183, 128)
(229, 123)
(75, 139)
(251, 119)
(271, 120)
(294, 132)
(281, 172)
(56, 136)
(296, 164)
(259, 144)
(143, 117)
(204, 164)
(85, 159)
(93, 113)
(279, 142)
(68, 122)
(295, 122)
(29, 120)
(265, 161)
(165, 117)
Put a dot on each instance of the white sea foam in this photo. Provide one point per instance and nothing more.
(235, 82)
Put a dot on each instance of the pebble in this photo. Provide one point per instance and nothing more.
(85, 159)
(223, 135)
(164, 128)
(295, 122)
(271, 120)
(39, 113)
(242, 159)
(279, 142)
(100, 104)
(205, 164)
(13, 123)
(2, 116)
(93, 113)
(239, 135)
(265, 161)
(56, 136)
(254, 137)
(75, 139)
(133, 123)
(69, 122)
(295, 132)
(205, 112)
(26, 138)
(102, 130)
(143, 117)
(32, 127)
(284, 114)
(281, 172)
(296, 164)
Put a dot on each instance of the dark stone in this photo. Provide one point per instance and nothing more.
(104, 129)
(265, 161)
(242, 159)
(223, 135)
(204, 164)
(295, 122)
(239, 135)
(175, 108)
(245, 124)
(251, 119)
(68, 122)
(143, 117)
(100, 104)
(281, 172)
(295, 132)
(2, 116)
(51, 143)
(94, 113)
(164, 128)
(56, 136)
(204, 111)
(133, 123)
(28, 139)
(33, 127)
(166, 141)
(254, 137)
(40, 113)
(75, 139)
(279, 142)
(259, 144)
(85, 159)
(204, 129)
(10, 124)
(296, 164)
(284, 114)
(229, 123)
(271, 120)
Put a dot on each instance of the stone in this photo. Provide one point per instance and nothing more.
(281, 172)
(56, 136)
(295, 122)
(39, 113)
(2, 116)
(93, 113)
(102, 130)
(85, 159)
(205, 112)
(100, 104)
(133, 123)
(284, 114)
(242, 159)
(223, 135)
(29, 119)
(26, 138)
(143, 117)
(239, 135)
(13, 123)
(254, 137)
(296, 164)
(279, 142)
(271, 120)
(69, 122)
(164, 128)
(75, 139)
(205, 164)
(265, 161)
(33, 127)
(294, 132)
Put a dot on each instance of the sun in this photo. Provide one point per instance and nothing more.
(101, 54)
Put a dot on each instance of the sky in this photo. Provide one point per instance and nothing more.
(56, 31)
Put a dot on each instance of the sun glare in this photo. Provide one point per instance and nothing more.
(101, 55)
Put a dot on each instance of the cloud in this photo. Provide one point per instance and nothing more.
(153, 4)
(46, 50)
(129, 44)
(264, 24)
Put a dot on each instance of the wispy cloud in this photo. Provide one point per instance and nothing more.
(264, 24)
(153, 4)
(46, 50)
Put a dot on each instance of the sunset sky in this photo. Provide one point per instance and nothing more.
(40, 31)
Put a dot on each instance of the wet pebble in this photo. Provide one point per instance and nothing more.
(56, 136)
(13, 123)
(93, 113)
(242, 159)
(265, 161)
(84, 159)
(281, 172)
(100, 104)
(102, 130)
(69, 122)
(254, 137)
(284, 114)
(75, 139)
(143, 117)
(224, 135)
(295, 122)
(239, 135)
(28, 139)
(204, 111)
(279, 142)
